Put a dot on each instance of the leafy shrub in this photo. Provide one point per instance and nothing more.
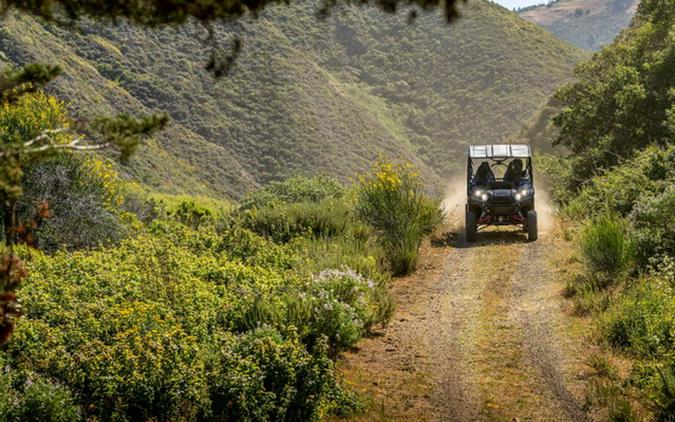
(346, 306)
(392, 200)
(284, 222)
(82, 193)
(337, 305)
(654, 227)
(265, 377)
(663, 392)
(365, 256)
(640, 321)
(30, 397)
(187, 322)
(293, 190)
(649, 173)
(191, 214)
(605, 248)
(130, 329)
(252, 249)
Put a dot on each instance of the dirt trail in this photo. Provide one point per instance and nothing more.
(480, 333)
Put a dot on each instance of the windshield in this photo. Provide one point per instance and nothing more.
(490, 170)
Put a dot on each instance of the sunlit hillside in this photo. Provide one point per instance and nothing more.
(306, 95)
(588, 24)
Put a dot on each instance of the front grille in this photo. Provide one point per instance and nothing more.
(505, 209)
(501, 196)
(502, 202)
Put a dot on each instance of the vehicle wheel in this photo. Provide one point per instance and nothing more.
(471, 226)
(532, 226)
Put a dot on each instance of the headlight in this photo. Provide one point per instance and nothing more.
(518, 196)
(478, 193)
(484, 197)
(524, 192)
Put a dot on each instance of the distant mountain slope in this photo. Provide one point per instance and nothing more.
(588, 24)
(306, 95)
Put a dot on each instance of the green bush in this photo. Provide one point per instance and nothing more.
(252, 249)
(266, 377)
(640, 320)
(649, 173)
(283, 222)
(26, 396)
(191, 214)
(346, 306)
(391, 199)
(663, 392)
(365, 256)
(339, 306)
(186, 322)
(654, 227)
(131, 330)
(294, 190)
(605, 249)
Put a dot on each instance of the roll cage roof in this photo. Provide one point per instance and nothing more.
(499, 151)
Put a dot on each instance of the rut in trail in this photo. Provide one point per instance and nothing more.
(479, 334)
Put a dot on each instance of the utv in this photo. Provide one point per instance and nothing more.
(501, 189)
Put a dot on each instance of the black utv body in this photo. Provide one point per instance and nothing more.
(500, 189)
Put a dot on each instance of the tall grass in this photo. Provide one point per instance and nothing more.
(605, 248)
(391, 199)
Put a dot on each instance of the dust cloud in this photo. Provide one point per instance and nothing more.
(546, 211)
(454, 201)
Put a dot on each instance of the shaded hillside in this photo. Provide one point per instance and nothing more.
(588, 24)
(306, 95)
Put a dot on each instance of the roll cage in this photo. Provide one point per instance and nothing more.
(498, 155)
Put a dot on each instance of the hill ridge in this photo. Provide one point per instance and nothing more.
(587, 24)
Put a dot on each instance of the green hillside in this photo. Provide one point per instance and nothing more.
(588, 24)
(306, 95)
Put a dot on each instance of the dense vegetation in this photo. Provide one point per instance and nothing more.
(165, 309)
(137, 305)
(588, 24)
(306, 95)
(618, 182)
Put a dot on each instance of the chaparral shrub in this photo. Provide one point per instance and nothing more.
(294, 190)
(391, 198)
(641, 320)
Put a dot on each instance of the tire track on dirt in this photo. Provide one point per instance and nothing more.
(478, 334)
(536, 307)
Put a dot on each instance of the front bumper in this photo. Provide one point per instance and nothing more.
(502, 211)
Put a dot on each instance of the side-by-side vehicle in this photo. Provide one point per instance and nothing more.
(500, 189)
